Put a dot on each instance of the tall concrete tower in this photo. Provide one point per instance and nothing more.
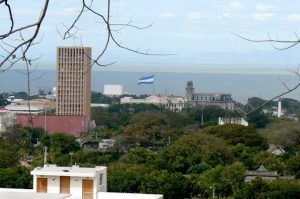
(189, 91)
(73, 83)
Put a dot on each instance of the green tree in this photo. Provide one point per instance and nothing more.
(254, 189)
(16, 177)
(94, 158)
(97, 97)
(138, 156)
(176, 158)
(225, 180)
(258, 119)
(171, 185)
(285, 134)
(126, 177)
(9, 155)
(270, 161)
(148, 129)
(260, 189)
(60, 145)
(125, 181)
(245, 155)
(209, 114)
(199, 168)
(293, 165)
(234, 134)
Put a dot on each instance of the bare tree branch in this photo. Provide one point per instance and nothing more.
(289, 43)
(25, 43)
(85, 8)
(287, 90)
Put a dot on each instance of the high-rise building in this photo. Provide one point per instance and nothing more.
(73, 84)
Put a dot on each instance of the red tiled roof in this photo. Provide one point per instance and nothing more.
(73, 125)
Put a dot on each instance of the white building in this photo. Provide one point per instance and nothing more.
(176, 104)
(171, 103)
(76, 181)
(52, 182)
(232, 120)
(113, 90)
(24, 109)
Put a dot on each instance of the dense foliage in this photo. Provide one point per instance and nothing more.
(158, 151)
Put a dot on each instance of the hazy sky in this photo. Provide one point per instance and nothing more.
(199, 32)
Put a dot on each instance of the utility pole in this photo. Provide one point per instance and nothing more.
(201, 114)
(213, 192)
(45, 155)
(71, 160)
(45, 110)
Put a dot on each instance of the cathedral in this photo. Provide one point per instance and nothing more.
(222, 100)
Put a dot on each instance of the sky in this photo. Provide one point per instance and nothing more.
(198, 33)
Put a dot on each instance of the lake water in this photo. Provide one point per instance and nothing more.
(241, 86)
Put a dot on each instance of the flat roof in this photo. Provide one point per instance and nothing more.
(76, 171)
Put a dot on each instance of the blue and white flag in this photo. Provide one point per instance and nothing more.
(146, 80)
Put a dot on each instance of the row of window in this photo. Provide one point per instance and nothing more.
(64, 70)
(66, 85)
(211, 98)
(62, 61)
(71, 52)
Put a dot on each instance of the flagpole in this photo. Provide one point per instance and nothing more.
(154, 88)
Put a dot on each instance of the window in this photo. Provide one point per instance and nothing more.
(101, 179)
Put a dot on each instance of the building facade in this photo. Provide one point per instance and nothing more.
(232, 120)
(222, 100)
(175, 104)
(113, 90)
(73, 84)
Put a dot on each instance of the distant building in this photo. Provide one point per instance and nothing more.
(172, 103)
(149, 100)
(53, 182)
(90, 145)
(263, 173)
(113, 90)
(106, 144)
(24, 109)
(222, 100)
(73, 84)
(232, 120)
(275, 149)
(95, 105)
(102, 145)
(176, 104)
